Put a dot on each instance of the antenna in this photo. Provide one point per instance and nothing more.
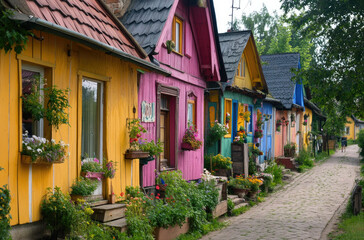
(232, 13)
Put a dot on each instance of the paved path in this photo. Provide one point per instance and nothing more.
(303, 208)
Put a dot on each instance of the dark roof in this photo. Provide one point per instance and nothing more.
(232, 46)
(90, 18)
(145, 19)
(278, 75)
(357, 121)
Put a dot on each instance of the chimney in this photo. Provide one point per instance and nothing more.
(118, 7)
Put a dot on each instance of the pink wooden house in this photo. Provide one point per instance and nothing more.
(167, 104)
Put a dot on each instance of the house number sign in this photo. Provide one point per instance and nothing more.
(148, 112)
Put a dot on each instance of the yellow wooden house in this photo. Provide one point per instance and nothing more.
(352, 128)
(86, 49)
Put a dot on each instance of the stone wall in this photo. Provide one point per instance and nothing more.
(118, 7)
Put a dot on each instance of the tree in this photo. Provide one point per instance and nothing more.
(336, 75)
(273, 34)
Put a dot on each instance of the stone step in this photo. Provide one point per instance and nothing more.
(108, 212)
(241, 205)
(232, 197)
(237, 201)
(98, 203)
(119, 224)
(220, 209)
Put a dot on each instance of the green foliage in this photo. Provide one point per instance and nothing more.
(58, 212)
(216, 132)
(36, 147)
(57, 103)
(351, 228)
(230, 206)
(276, 171)
(5, 217)
(206, 228)
(91, 166)
(304, 160)
(241, 210)
(217, 162)
(133, 192)
(336, 76)
(84, 186)
(153, 148)
(360, 141)
(13, 35)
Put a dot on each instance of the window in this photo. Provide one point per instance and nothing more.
(250, 123)
(32, 77)
(347, 130)
(167, 122)
(191, 112)
(228, 115)
(177, 33)
(241, 68)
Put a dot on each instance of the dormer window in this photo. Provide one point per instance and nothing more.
(177, 32)
(241, 68)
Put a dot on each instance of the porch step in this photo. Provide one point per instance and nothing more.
(237, 201)
(241, 205)
(119, 224)
(108, 212)
(98, 203)
(232, 197)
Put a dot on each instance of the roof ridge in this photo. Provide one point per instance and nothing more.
(272, 54)
(233, 32)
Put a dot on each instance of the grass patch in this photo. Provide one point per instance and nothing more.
(206, 228)
(322, 156)
(351, 142)
(351, 228)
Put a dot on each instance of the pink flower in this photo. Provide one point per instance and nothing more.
(157, 187)
(96, 160)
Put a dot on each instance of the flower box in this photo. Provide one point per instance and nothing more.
(136, 154)
(171, 232)
(93, 175)
(187, 147)
(75, 198)
(25, 159)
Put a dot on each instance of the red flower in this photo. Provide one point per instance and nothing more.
(157, 187)
(152, 194)
(121, 194)
(188, 200)
(158, 194)
(157, 197)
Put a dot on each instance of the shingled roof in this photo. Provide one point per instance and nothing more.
(146, 19)
(90, 18)
(277, 71)
(232, 46)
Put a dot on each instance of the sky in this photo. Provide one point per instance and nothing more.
(223, 10)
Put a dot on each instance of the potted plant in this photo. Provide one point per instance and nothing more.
(190, 140)
(154, 149)
(219, 165)
(239, 185)
(305, 117)
(135, 132)
(37, 150)
(109, 172)
(216, 132)
(82, 188)
(241, 136)
(92, 169)
(258, 133)
(255, 182)
(289, 150)
(245, 115)
(278, 125)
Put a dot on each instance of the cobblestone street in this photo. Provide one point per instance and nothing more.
(303, 208)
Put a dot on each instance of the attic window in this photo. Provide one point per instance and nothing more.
(241, 68)
(177, 32)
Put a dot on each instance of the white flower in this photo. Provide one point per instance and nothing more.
(29, 148)
(39, 150)
(62, 143)
(53, 141)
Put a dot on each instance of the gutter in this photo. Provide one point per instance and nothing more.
(91, 42)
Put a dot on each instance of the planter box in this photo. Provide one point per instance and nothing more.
(93, 175)
(135, 154)
(172, 232)
(187, 147)
(222, 188)
(220, 209)
(287, 162)
(25, 159)
(74, 198)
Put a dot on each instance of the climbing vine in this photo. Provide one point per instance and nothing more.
(12, 33)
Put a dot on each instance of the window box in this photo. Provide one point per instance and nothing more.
(25, 159)
(93, 175)
(136, 154)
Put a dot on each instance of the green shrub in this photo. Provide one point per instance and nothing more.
(4, 212)
(133, 192)
(84, 186)
(360, 141)
(276, 171)
(217, 162)
(304, 160)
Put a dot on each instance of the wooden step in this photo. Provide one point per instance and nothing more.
(97, 203)
(220, 209)
(119, 224)
(237, 201)
(241, 205)
(108, 212)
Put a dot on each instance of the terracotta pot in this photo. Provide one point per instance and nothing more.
(93, 175)
(136, 154)
(25, 159)
(171, 232)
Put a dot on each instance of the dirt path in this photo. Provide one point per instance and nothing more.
(304, 208)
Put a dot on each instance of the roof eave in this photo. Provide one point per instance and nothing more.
(78, 37)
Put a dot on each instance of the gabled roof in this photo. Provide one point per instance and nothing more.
(232, 46)
(145, 19)
(90, 18)
(278, 75)
(357, 121)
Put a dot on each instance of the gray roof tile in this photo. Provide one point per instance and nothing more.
(277, 71)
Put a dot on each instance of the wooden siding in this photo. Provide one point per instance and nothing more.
(120, 96)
